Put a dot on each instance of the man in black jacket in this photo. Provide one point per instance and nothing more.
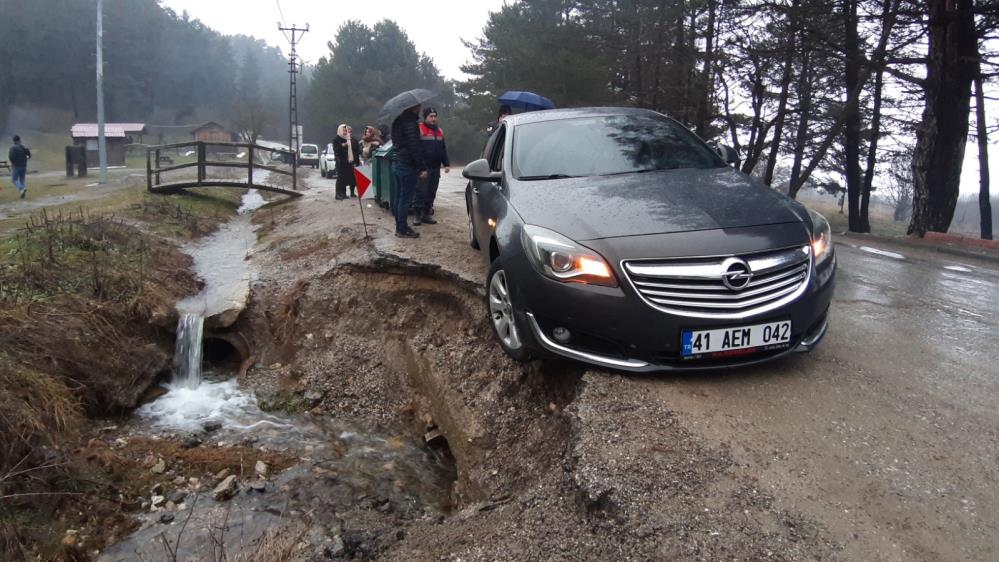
(435, 155)
(19, 156)
(408, 165)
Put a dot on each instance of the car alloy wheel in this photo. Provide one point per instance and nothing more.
(516, 342)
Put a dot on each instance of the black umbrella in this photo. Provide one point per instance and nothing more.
(395, 106)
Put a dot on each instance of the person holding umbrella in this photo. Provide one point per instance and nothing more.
(408, 165)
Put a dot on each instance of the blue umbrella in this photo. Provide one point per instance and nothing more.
(528, 101)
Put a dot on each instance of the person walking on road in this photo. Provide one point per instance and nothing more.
(408, 165)
(370, 142)
(18, 157)
(348, 154)
(435, 156)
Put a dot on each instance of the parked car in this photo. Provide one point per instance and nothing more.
(308, 155)
(618, 238)
(327, 162)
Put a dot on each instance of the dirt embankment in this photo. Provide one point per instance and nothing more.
(553, 461)
(86, 329)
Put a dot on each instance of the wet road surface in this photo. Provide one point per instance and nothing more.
(888, 434)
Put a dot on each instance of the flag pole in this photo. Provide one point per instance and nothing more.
(360, 202)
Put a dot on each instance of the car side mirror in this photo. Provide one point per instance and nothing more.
(479, 170)
(728, 154)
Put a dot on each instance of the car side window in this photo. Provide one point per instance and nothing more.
(496, 154)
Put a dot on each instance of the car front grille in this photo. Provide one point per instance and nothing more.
(722, 287)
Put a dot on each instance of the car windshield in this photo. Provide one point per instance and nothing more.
(309, 149)
(601, 146)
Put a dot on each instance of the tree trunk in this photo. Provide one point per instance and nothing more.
(943, 132)
(785, 88)
(872, 151)
(804, 116)
(851, 141)
(984, 204)
(704, 107)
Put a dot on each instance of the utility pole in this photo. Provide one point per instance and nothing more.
(102, 147)
(296, 32)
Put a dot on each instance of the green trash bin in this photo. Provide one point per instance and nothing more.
(382, 176)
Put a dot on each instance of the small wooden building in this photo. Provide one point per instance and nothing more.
(213, 132)
(116, 137)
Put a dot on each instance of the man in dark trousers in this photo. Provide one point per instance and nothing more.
(408, 165)
(18, 157)
(435, 155)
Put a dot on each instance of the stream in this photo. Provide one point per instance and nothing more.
(338, 466)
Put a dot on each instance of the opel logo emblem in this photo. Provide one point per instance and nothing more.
(737, 274)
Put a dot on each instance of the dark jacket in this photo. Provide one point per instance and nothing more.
(406, 140)
(340, 152)
(18, 156)
(434, 149)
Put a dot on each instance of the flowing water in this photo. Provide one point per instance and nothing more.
(340, 466)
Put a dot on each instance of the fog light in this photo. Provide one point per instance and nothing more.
(561, 335)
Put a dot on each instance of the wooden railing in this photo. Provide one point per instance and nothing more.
(156, 154)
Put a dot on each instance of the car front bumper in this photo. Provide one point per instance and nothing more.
(616, 329)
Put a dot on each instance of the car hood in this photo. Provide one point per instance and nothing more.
(656, 202)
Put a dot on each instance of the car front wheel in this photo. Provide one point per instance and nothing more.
(514, 340)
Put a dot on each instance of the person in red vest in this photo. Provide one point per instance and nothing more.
(435, 155)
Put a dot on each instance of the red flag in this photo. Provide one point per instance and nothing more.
(363, 182)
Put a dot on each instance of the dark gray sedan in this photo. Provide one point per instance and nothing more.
(618, 238)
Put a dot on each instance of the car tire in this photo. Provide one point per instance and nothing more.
(516, 341)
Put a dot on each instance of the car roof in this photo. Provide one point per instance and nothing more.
(571, 113)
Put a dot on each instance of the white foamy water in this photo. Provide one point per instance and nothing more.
(251, 201)
(187, 409)
(187, 354)
(960, 268)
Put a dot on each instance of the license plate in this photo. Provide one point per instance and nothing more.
(743, 339)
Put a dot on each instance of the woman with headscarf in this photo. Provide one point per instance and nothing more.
(370, 142)
(348, 154)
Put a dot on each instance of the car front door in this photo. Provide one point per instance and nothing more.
(485, 194)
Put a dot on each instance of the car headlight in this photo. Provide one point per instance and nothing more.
(561, 259)
(821, 237)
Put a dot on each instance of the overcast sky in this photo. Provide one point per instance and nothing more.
(435, 26)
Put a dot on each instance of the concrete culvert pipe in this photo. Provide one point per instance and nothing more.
(224, 351)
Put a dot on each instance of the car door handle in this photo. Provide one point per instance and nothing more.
(475, 190)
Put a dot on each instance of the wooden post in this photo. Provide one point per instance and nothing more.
(69, 161)
(249, 161)
(149, 170)
(157, 165)
(201, 161)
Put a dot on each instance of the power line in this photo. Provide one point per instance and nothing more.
(281, 13)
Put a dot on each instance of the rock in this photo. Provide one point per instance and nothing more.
(210, 426)
(157, 489)
(166, 518)
(226, 489)
(157, 502)
(191, 442)
(179, 481)
(170, 506)
(261, 469)
(69, 540)
(220, 475)
(313, 397)
(159, 467)
(259, 486)
(337, 548)
(178, 497)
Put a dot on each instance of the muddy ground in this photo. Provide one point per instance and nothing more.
(882, 445)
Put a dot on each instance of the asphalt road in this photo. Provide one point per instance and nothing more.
(888, 434)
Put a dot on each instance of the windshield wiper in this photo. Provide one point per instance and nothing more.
(546, 177)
